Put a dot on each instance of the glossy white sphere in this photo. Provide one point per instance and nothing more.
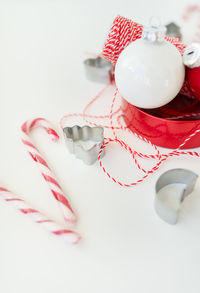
(149, 75)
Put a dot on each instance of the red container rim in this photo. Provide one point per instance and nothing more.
(160, 131)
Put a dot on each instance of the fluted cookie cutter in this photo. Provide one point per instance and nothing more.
(98, 70)
(84, 142)
(162, 205)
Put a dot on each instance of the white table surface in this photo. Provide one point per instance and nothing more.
(125, 246)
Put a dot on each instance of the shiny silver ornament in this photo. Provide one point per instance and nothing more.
(191, 56)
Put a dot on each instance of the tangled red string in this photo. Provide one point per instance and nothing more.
(160, 157)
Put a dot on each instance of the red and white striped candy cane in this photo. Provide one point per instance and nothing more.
(46, 172)
(49, 225)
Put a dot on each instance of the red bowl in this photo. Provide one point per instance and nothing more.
(161, 126)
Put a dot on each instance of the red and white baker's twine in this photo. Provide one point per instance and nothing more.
(121, 34)
(68, 214)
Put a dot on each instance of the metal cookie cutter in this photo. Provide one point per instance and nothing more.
(85, 142)
(162, 204)
(98, 70)
(173, 30)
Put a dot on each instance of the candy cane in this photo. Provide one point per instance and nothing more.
(46, 172)
(49, 225)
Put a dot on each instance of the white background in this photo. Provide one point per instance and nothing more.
(125, 246)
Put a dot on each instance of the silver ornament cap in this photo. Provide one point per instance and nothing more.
(154, 32)
(191, 56)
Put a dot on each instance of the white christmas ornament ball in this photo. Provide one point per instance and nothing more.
(149, 74)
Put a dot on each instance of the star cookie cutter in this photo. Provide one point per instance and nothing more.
(98, 70)
(84, 142)
(162, 203)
